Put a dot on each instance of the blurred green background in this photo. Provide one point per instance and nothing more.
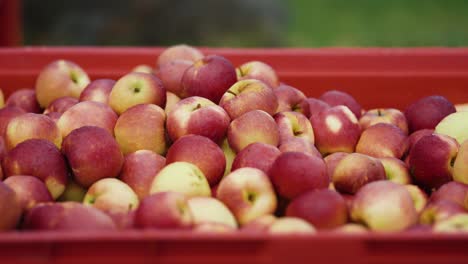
(247, 23)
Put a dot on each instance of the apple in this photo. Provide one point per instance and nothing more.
(451, 191)
(259, 71)
(2, 99)
(251, 127)
(39, 158)
(247, 95)
(178, 52)
(420, 198)
(60, 78)
(210, 210)
(171, 101)
(415, 136)
(396, 170)
(440, 210)
(460, 166)
(73, 191)
(86, 148)
(259, 225)
(206, 153)
(355, 171)
(139, 169)
(248, 193)
(351, 229)
(427, 112)
(61, 104)
(313, 106)
(55, 116)
(324, 209)
(87, 113)
(199, 116)
(208, 77)
(229, 154)
(294, 125)
(384, 115)
(336, 129)
(98, 91)
(6, 114)
(290, 99)
(29, 191)
(181, 177)
(24, 99)
(298, 144)
(431, 160)
(137, 88)
(382, 140)
(455, 126)
(384, 206)
(256, 155)
(213, 228)
(455, 224)
(132, 134)
(171, 74)
(332, 160)
(10, 208)
(461, 107)
(294, 173)
(291, 225)
(144, 68)
(335, 98)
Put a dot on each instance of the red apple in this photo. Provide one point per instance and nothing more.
(24, 99)
(387, 116)
(334, 98)
(256, 155)
(382, 140)
(451, 191)
(396, 170)
(98, 91)
(417, 135)
(440, 210)
(290, 99)
(29, 191)
(294, 125)
(259, 225)
(298, 144)
(332, 161)
(259, 71)
(178, 52)
(171, 74)
(313, 106)
(427, 112)
(10, 208)
(6, 114)
(61, 104)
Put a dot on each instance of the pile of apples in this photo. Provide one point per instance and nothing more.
(197, 144)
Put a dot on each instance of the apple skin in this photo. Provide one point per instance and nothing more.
(298, 144)
(178, 52)
(332, 161)
(460, 166)
(132, 134)
(382, 140)
(86, 148)
(336, 129)
(7, 113)
(251, 127)
(384, 206)
(144, 68)
(209, 77)
(171, 74)
(29, 126)
(456, 224)
(181, 177)
(455, 126)
(60, 78)
(139, 169)
(10, 208)
(137, 88)
(420, 198)
(417, 135)
(87, 113)
(248, 193)
(355, 171)
(351, 229)
(259, 71)
(171, 101)
(290, 99)
(294, 173)
(324, 209)
(29, 191)
(259, 225)
(39, 158)
(451, 191)
(210, 210)
(294, 125)
(256, 155)
(335, 98)
(98, 91)
(229, 154)
(396, 170)
(73, 192)
(431, 160)
(427, 112)
(248, 95)
(291, 225)
(313, 106)
(440, 210)
(69, 216)
(206, 152)
(24, 99)
(61, 104)
(386, 115)
(199, 116)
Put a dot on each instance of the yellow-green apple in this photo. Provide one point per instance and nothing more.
(6, 114)
(132, 134)
(210, 210)
(256, 155)
(178, 52)
(248, 193)
(171, 74)
(324, 209)
(29, 191)
(29, 126)
(164, 210)
(431, 160)
(384, 206)
(60, 78)
(86, 148)
(258, 70)
(137, 88)
(39, 158)
(427, 112)
(332, 160)
(460, 166)
(313, 106)
(199, 116)
(61, 104)
(229, 154)
(181, 177)
(455, 224)
(356, 170)
(291, 225)
(437, 211)
(206, 152)
(294, 125)
(139, 169)
(24, 99)
(98, 91)
(73, 191)
(382, 140)
(452, 191)
(213, 228)
(69, 216)
(336, 129)
(259, 225)
(420, 198)
(298, 144)
(208, 77)
(10, 208)
(334, 98)
(290, 99)
(294, 173)
(251, 127)
(247, 95)
(142, 68)
(351, 229)
(384, 115)
(454, 125)
(396, 170)
(171, 101)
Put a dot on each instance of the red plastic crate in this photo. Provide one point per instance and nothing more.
(376, 77)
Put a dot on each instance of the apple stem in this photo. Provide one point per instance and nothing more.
(379, 112)
(231, 92)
